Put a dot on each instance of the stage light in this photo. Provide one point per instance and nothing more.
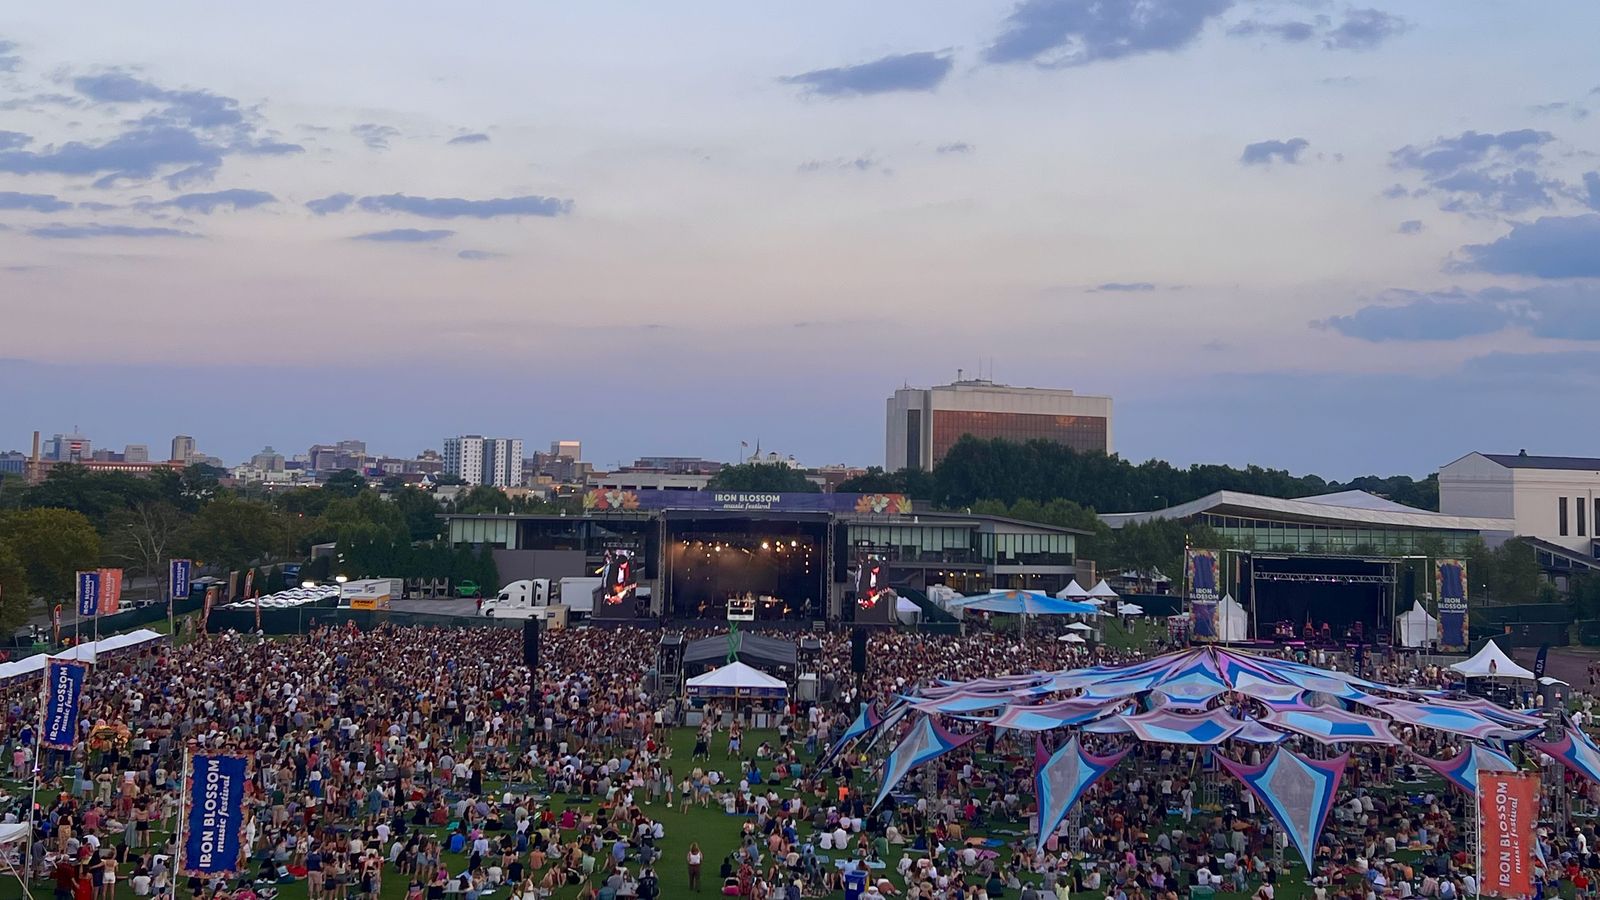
(794, 543)
(765, 545)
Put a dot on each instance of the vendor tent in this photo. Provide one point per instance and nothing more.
(739, 681)
(750, 648)
(1103, 591)
(1416, 627)
(1233, 624)
(88, 651)
(1073, 591)
(1491, 662)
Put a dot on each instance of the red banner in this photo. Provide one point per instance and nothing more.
(110, 591)
(1508, 811)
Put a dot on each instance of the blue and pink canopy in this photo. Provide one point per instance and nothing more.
(1296, 791)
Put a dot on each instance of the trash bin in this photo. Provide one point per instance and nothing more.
(855, 884)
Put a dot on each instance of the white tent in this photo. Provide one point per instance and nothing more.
(1491, 662)
(1079, 626)
(1233, 624)
(1094, 601)
(1070, 638)
(736, 680)
(1102, 590)
(1073, 591)
(1416, 627)
(88, 652)
(906, 610)
(1130, 609)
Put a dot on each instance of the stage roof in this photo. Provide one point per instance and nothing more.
(1344, 508)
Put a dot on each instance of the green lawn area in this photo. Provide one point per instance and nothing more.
(716, 832)
(1135, 635)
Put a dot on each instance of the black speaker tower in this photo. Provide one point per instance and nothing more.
(858, 651)
(530, 643)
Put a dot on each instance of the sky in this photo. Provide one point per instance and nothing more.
(1327, 237)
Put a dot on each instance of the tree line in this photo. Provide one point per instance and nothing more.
(79, 519)
(1007, 471)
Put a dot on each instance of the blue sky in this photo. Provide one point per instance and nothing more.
(1332, 237)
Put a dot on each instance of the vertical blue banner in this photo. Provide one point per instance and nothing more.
(214, 828)
(180, 571)
(63, 687)
(88, 594)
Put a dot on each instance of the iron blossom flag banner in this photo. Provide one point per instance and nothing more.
(1508, 810)
(1450, 580)
(63, 687)
(213, 839)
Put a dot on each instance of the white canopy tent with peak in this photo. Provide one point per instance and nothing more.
(1233, 623)
(1491, 662)
(1073, 591)
(1416, 628)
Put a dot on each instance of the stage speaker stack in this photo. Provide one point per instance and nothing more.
(530, 643)
(858, 651)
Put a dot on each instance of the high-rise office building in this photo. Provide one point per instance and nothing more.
(566, 449)
(182, 448)
(136, 453)
(68, 448)
(924, 423)
(476, 459)
(268, 460)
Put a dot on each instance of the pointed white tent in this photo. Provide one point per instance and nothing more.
(1491, 662)
(1416, 627)
(1102, 590)
(1073, 591)
(736, 680)
(1233, 624)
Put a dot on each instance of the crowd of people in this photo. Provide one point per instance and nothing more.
(428, 762)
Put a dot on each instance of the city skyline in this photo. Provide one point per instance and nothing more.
(1317, 236)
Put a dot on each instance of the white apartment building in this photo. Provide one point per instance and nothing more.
(476, 459)
(1551, 498)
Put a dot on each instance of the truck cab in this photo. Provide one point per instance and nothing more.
(525, 599)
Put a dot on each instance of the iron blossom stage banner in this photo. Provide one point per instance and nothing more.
(63, 685)
(604, 500)
(1203, 575)
(1450, 580)
(1508, 810)
(213, 840)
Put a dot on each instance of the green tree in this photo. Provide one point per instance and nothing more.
(420, 512)
(98, 495)
(914, 483)
(482, 499)
(362, 517)
(344, 483)
(232, 532)
(764, 477)
(974, 470)
(53, 546)
(16, 603)
(141, 539)
(304, 502)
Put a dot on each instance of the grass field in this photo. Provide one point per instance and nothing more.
(716, 832)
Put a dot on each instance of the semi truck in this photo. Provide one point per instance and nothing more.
(534, 598)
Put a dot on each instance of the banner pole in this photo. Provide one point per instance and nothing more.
(183, 796)
(33, 794)
(1477, 820)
